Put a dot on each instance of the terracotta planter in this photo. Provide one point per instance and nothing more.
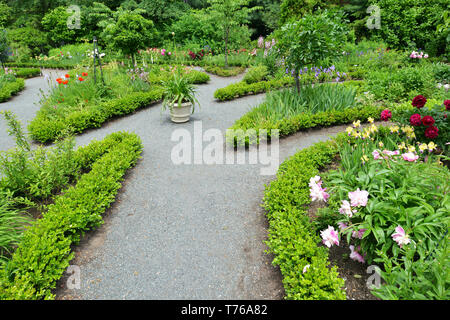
(181, 113)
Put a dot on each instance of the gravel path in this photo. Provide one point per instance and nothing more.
(178, 231)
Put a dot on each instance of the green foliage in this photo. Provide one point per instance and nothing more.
(224, 72)
(310, 40)
(256, 74)
(8, 89)
(45, 250)
(30, 38)
(313, 99)
(291, 10)
(178, 90)
(35, 174)
(292, 239)
(412, 24)
(12, 223)
(413, 195)
(255, 119)
(131, 33)
(240, 89)
(45, 129)
(402, 84)
(55, 23)
(229, 14)
(200, 28)
(27, 73)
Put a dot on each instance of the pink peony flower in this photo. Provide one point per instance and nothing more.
(358, 198)
(317, 193)
(400, 236)
(410, 156)
(376, 154)
(342, 226)
(415, 120)
(358, 234)
(346, 209)
(354, 254)
(329, 237)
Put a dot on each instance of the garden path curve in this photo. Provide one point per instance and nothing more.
(177, 231)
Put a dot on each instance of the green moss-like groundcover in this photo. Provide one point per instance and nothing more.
(44, 252)
(292, 239)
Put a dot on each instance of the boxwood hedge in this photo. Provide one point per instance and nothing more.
(44, 252)
(292, 239)
(11, 88)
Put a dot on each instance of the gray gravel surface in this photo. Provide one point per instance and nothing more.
(178, 231)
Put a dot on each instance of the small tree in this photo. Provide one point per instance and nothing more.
(131, 33)
(310, 40)
(229, 13)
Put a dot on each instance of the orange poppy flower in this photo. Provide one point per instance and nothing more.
(84, 74)
(67, 76)
(65, 82)
(81, 79)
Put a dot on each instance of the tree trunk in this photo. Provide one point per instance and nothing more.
(297, 81)
(226, 48)
(133, 60)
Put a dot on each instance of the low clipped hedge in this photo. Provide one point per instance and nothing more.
(224, 72)
(45, 129)
(303, 121)
(47, 65)
(292, 239)
(27, 72)
(11, 88)
(45, 250)
(240, 89)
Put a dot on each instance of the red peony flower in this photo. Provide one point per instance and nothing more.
(428, 121)
(431, 132)
(415, 120)
(447, 104)
(386, 115)
(419, 101)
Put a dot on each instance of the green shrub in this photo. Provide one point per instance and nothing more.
(412, 24)
(404, 84)
(256, 74)
(223, 72)
(45, 129)
(241, 89)
(45, 250)
(27, 72)
(292, 239)
(11, 88)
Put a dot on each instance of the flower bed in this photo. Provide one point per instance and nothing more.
(388, 206)
(44, 252)
(45, 129)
